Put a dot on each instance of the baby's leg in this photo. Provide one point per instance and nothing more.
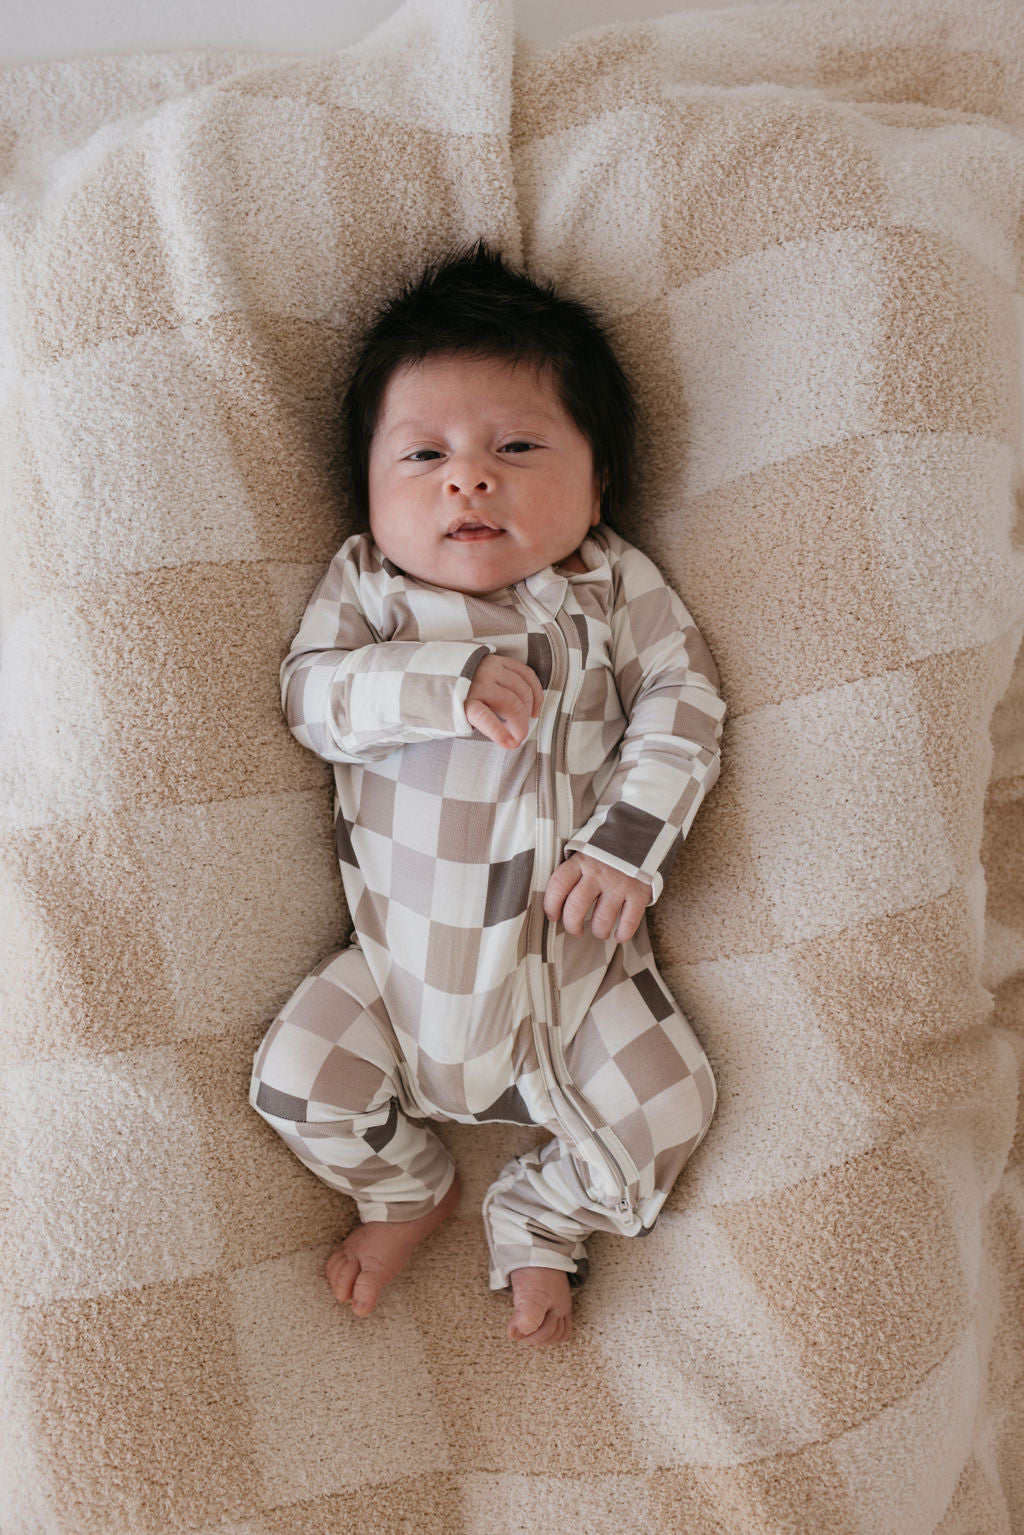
(644, 1076)
(326, 1079)
(536, 1232)
(375, 1251)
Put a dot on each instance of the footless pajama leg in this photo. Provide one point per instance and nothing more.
(326, 1078)
(643, 1074)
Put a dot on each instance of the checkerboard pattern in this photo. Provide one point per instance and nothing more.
(437, 843)
(803, 224)
(454, 949)
(330, 1078)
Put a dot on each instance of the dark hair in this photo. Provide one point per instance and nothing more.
(471, 301)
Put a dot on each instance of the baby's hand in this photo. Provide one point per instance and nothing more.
(580, 882)
(504, 696)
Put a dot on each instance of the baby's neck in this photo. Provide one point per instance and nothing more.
(573, 563)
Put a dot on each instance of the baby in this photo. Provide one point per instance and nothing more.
(524, 721)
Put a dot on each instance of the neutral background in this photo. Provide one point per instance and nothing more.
(57, 29)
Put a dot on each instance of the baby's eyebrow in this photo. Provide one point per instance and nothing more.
(536, 420)
(407, 424)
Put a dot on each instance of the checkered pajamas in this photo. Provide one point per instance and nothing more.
(458, 998)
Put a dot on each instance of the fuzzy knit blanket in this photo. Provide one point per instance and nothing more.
(804, 225)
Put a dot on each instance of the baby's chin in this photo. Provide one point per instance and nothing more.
(474, 578)
(478, 575)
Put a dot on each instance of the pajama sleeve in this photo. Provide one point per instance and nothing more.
(670, 753)
(352, 695)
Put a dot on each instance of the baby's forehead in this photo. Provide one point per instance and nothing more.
(447, 380)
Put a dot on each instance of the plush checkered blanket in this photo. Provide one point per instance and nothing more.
(804, 226)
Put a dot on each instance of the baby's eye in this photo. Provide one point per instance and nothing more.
(422, 455)
(518, 447)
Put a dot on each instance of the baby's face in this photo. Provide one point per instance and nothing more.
(478, 475)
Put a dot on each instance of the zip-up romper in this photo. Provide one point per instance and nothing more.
(457, 998)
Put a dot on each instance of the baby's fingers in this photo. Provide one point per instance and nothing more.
(605, 918)
(489, 724)
(558, 886)
(516, 680)
(582, 887)
(503, 697)
(633, 909)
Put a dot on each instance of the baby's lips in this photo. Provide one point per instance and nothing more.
(471, 525)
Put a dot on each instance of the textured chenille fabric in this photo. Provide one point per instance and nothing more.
(803, 226)
(446, 844)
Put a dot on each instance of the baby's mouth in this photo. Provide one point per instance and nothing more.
(467, 529)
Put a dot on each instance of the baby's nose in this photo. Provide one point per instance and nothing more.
(467, 476)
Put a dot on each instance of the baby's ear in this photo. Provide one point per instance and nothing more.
(600, 486)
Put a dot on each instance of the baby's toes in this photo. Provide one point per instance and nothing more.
(369, 1282)
(342, 1270)
(527, 1317)
(542, 1306)
(555, 1328)
(522, 1332)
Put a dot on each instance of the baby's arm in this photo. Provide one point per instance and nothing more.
(353, 694)
(668, 759)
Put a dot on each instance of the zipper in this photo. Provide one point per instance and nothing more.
(568, 1102)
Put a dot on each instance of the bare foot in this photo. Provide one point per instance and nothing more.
(543, 1306)
(373, 1253)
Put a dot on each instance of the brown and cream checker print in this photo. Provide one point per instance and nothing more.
(377, 679)
(382, 662)
(353, 699)
(441, 930)
(803, 225)
(327, 1079)
(330, 1078)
